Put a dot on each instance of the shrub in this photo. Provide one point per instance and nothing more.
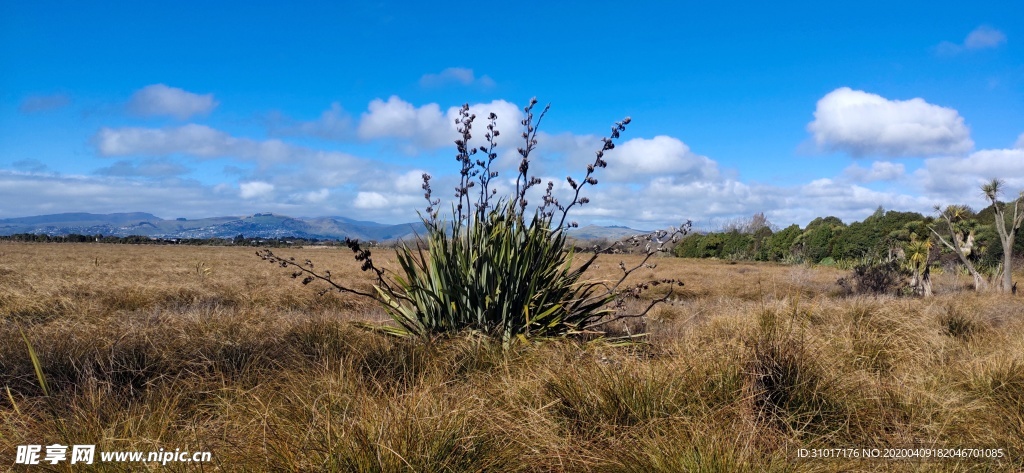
(789, 388)
(887, 277)
(960, 324)
(493, 267)
(700, 246)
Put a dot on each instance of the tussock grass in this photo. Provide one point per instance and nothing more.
(751, 363)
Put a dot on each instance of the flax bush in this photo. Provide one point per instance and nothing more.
(497, 265)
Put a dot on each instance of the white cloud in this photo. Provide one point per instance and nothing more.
(661, 155)
(958, 179)
(37, 195)
(312, 197)
(416, 129)
(849, 202)
(195, 140)
(655, 201)
(508, 124)
(861, 124)
(708, 204)
(287, 174)
(568, 147)
(398, 192)
(198, 141)
(879, 171)
(1020, 142)
(704, 199)
(396, 118)
(455, 75)
(408, 182)
(255, 189)
(427, 127)
(370, 200)
(34, 194)
(327, 169)
(159, 99)
(982, 37)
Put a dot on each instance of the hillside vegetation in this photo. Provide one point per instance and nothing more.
(211, 349)
(830, 241)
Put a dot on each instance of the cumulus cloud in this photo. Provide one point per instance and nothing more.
(427, 127)
(708, 199)
(710, 203)
(370, 200)
(960, 178)
(44, 103)
(396, 118)
(661, 155)
(159, 99)
(397, 191)
(864, 124)
(656, 200)
(455, 75)
(414, 129)
(327, 169)
(194, 140)
(822, 197)
(312, 197)
(255, 189)
(298, 174)
(982, 37)
(879, 171)
(1020, 142)
(408, 182)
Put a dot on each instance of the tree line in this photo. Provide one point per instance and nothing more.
(983, 242)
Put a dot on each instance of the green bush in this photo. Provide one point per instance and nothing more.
(779, 245)
(816, 241)
(700, 246)
(731, 245)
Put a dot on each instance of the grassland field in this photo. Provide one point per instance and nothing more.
(213, 349)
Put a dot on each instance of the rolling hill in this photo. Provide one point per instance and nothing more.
(260, 225)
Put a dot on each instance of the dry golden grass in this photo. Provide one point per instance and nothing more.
(202, 348)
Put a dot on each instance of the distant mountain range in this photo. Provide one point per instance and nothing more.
(261, 225)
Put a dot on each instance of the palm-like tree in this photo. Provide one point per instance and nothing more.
(917, 253)
(1006, 233)
(955, 219)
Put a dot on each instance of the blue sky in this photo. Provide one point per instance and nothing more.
(797, 109)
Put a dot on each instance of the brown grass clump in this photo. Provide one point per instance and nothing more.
(210, 349)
